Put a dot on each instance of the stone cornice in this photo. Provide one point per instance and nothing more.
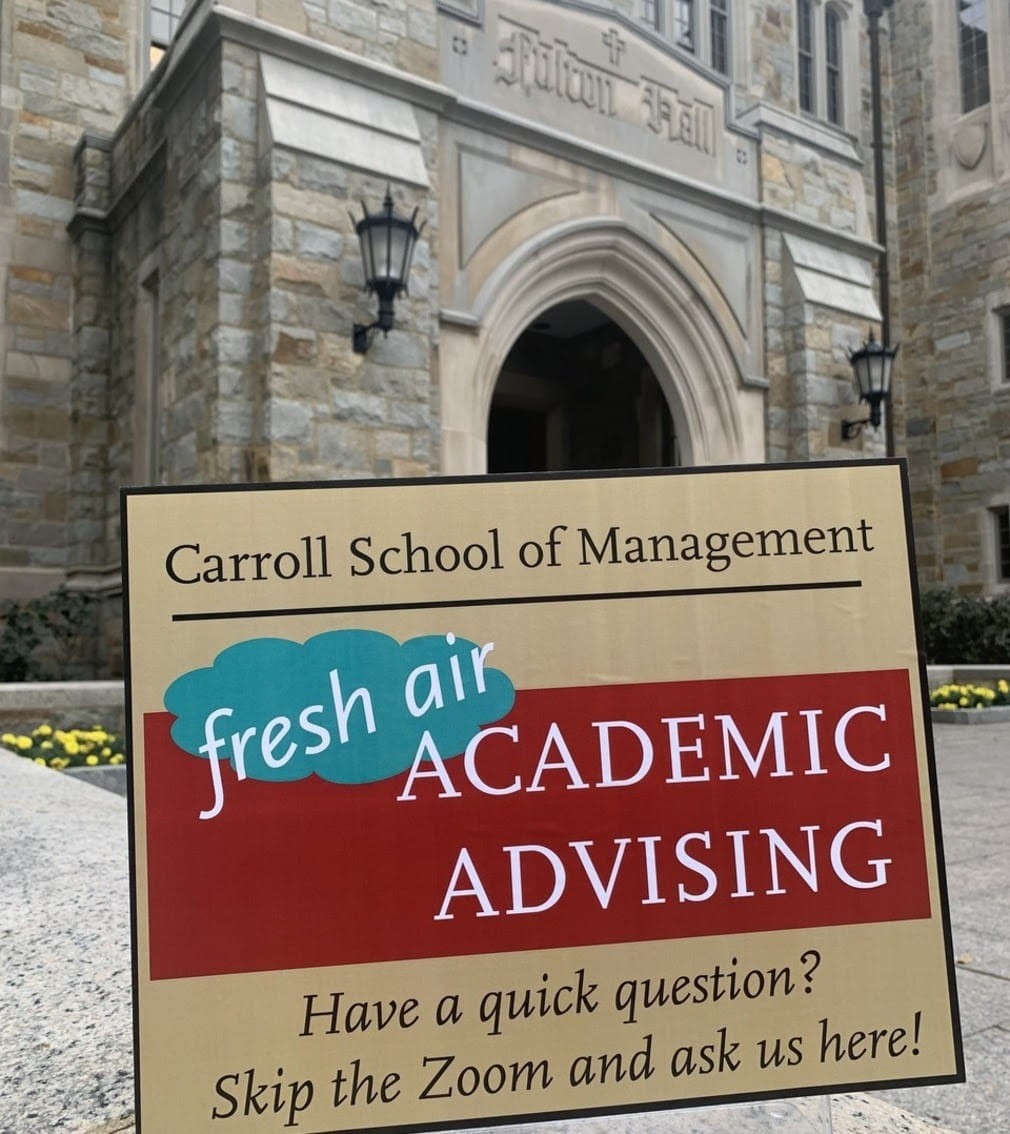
(525, 132)
(88, 219)
(766, 118)
(784, 221)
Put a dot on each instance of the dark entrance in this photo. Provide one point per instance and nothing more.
(576, 393)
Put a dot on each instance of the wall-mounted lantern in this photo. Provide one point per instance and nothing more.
(387, 246)
(871, 366)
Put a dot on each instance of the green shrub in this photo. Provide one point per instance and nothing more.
(965, 629)
(48, 638)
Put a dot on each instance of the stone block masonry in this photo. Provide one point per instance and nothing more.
(241, 255)
(953, 243)
(328, 411)
(63, 69)
(70, 416)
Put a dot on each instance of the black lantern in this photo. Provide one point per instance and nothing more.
(872, 365)
(387, 246)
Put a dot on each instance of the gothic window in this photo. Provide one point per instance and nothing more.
(163, 17)
(820, 59)
(701, 27)
(1003, 321)
(805, 54)
(718, 17)
(833, 65)
(973, 53)
(683, 24)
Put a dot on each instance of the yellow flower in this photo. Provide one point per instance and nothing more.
(117, 759)
(9, 739)
(106, 751)
(39, 760)
(43, 730)
(46, 744)
(963, 702)
(91, 761)
(24, 742)
(72, 747)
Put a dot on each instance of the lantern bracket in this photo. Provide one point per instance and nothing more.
(871, 365)
(387, 242)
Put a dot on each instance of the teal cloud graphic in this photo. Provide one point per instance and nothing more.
(350, 706)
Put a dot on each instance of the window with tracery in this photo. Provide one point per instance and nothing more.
(973, 53)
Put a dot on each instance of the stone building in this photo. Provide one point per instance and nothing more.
(649, 238)
(951, 99)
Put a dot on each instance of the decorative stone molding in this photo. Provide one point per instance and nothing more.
(328, 117)
(599, 81)
(969, 142)
(651, 298)
(765, 117)
(828, 278)
(507, 188)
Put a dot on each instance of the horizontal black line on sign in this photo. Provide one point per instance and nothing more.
(517, 600)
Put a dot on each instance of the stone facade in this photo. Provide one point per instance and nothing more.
(953, 192)
(181, 271)
(64, 69)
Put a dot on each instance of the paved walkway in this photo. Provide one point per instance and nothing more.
(973, 765)
(65, 1022)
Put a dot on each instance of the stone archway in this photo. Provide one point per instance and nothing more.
(575, 392)
(717, 419)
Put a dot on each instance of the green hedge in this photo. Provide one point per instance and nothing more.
(965, 629)
(51, 638)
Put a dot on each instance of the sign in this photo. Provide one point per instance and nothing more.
(600, 77)
(481, 800)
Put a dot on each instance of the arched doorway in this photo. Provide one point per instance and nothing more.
(664, 303)
(575, 392)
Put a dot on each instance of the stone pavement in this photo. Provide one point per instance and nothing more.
(65, 1020)
(973, 765)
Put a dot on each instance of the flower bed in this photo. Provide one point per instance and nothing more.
(970, 696)
(67, 748)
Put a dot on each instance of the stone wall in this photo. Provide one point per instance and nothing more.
(954, 247)
(959, 408)
(63, 704)
(67, 70)
(814, 172)
(64, 68)
(399, 33)
(329, 412)
(240, 252)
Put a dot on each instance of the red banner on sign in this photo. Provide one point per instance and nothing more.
(588, 816)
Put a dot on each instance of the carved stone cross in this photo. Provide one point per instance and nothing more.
(614, 44)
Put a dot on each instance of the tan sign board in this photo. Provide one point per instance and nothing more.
(466, 801)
